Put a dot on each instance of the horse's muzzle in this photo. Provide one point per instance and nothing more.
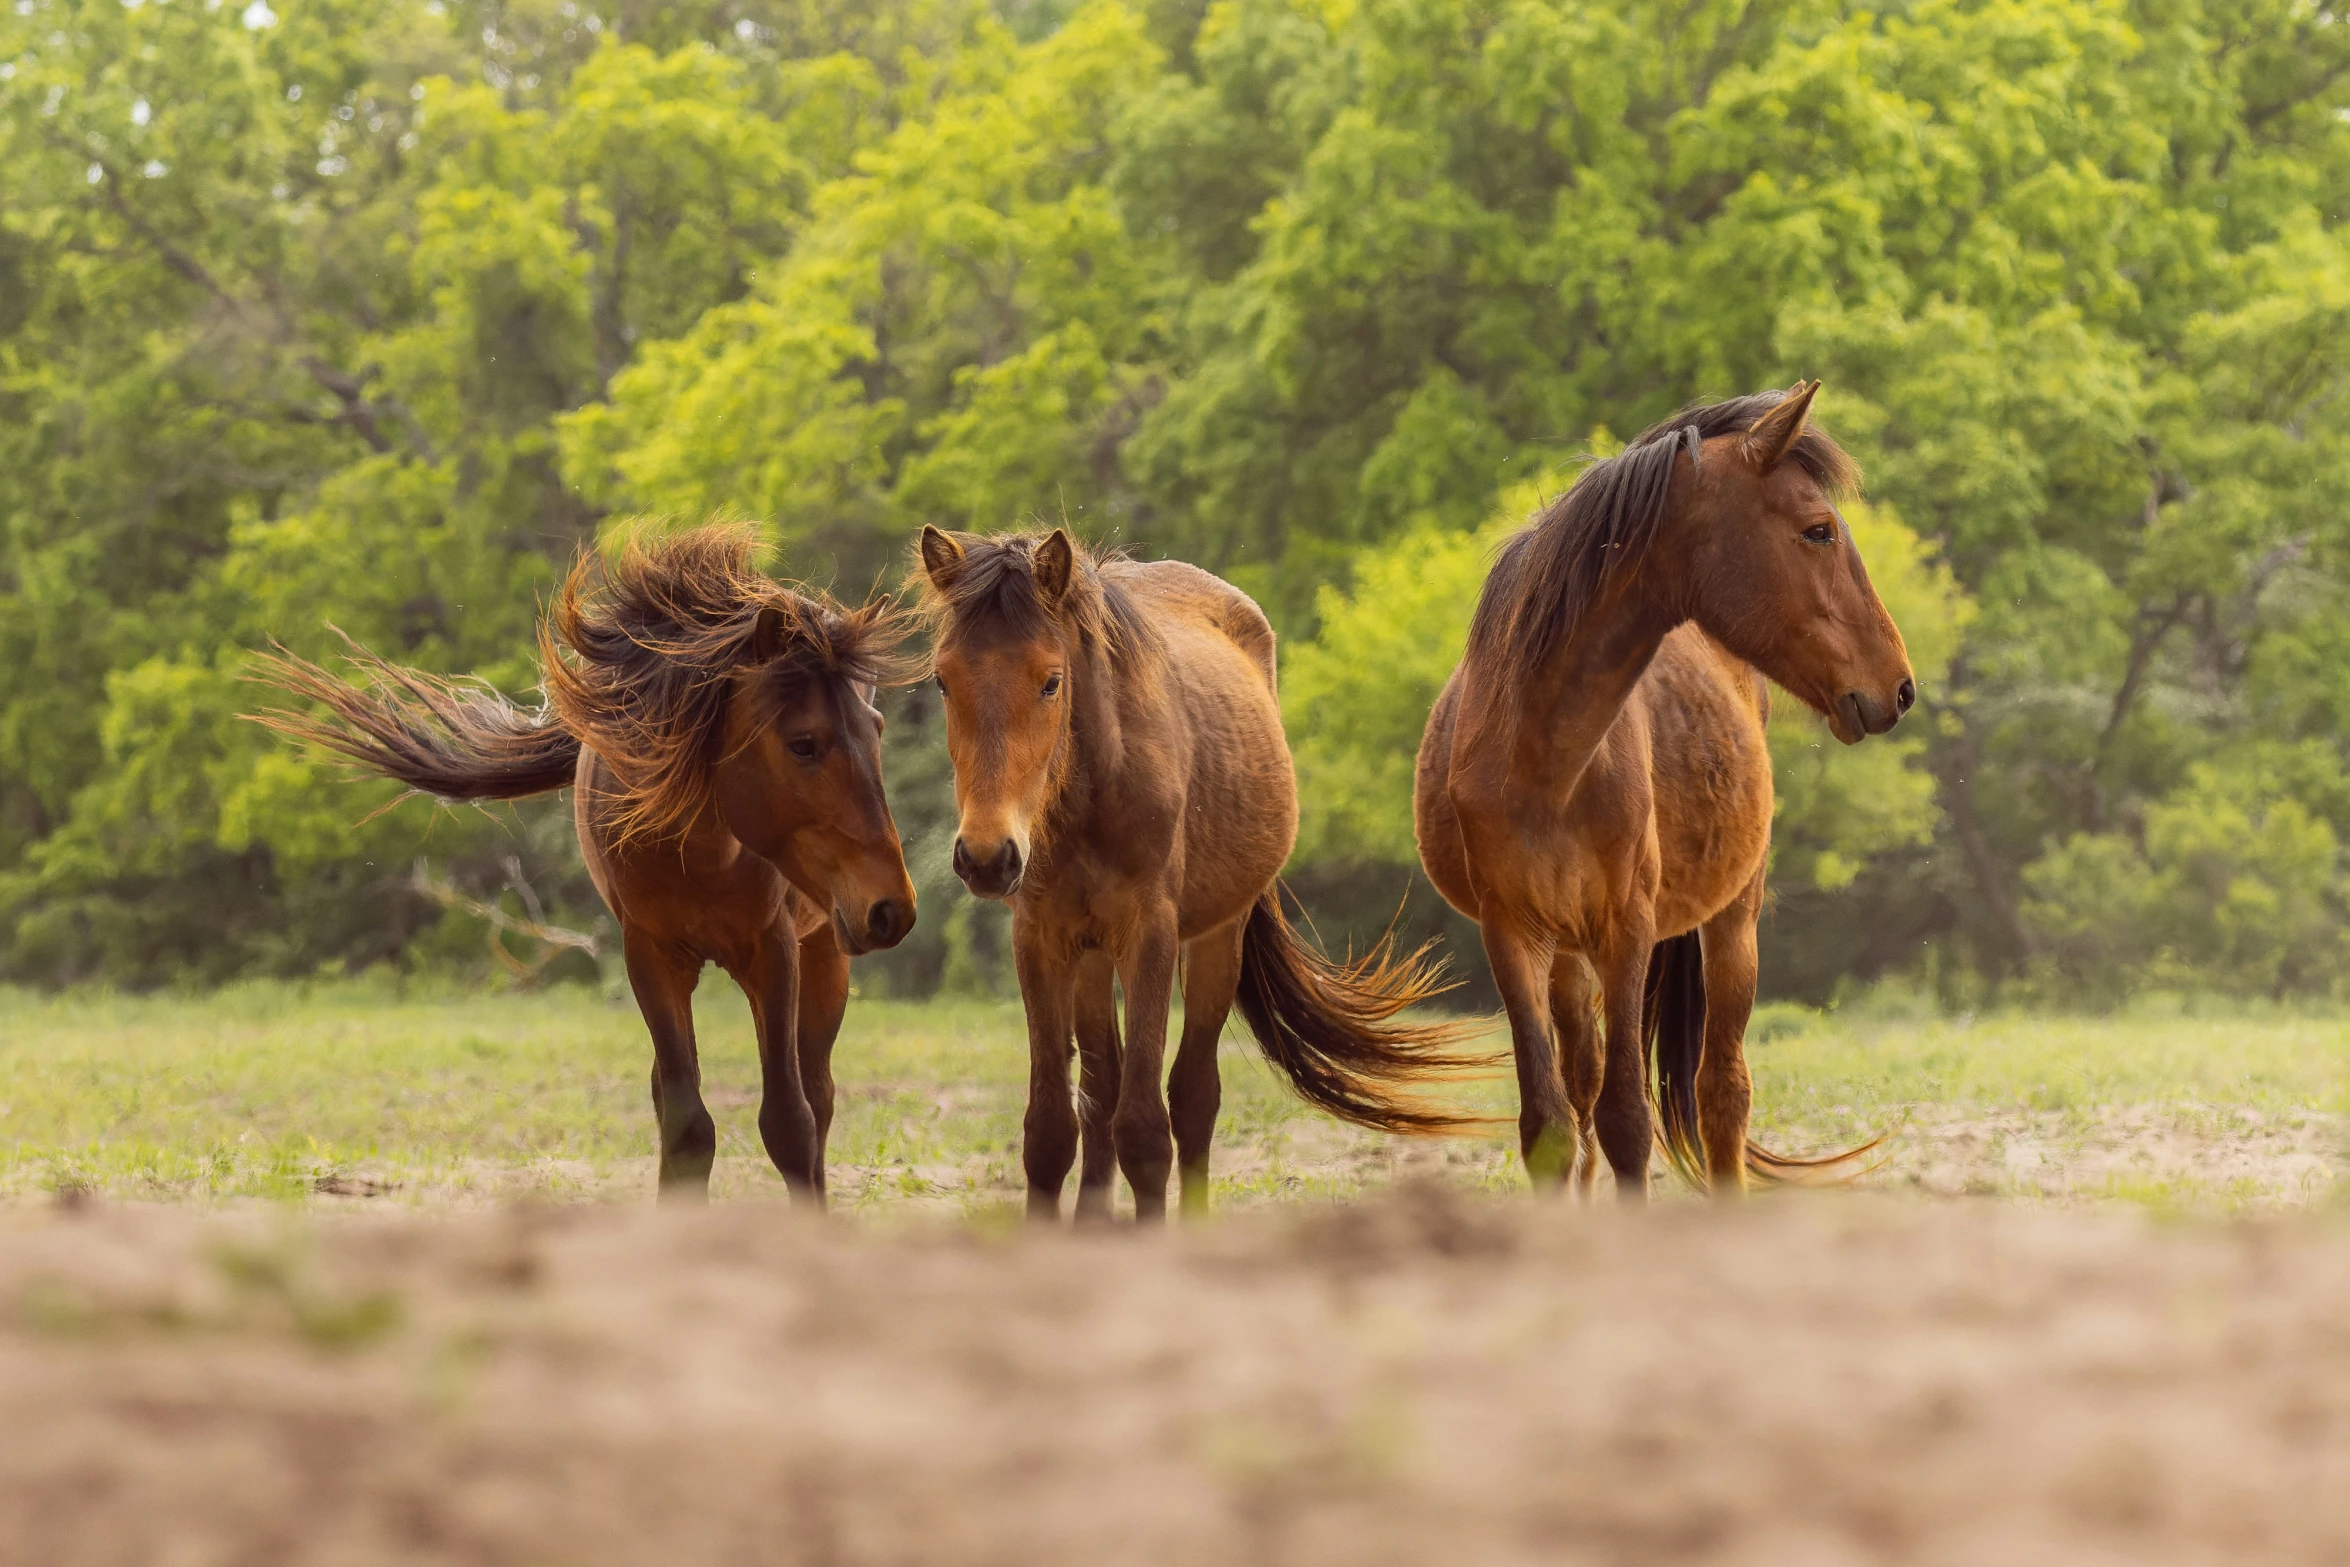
(996, 876)
(884, 925)
(1863, 714)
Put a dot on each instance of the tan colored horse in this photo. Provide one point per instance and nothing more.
(1123, 780)
(1595, 789)
(720, 732)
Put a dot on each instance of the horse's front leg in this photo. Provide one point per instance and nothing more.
(663, 978)
(1144, 1135)
(1048, 1133)
(787, 1122)
(1625, 1127)
(1572, 998)
(824, 1001)
(1546, 1123)
(1098, 1058)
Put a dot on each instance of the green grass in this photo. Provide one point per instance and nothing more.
(2166, 1110)
(278, 1092)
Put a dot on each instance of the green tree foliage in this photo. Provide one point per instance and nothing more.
(293, 306)
(955, 339)
(374, 314)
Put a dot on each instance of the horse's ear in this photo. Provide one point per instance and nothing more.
(1056, 563)
(772, 634)
(1774, 435)
(942, 557)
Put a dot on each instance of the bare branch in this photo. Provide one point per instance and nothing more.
(553, 939)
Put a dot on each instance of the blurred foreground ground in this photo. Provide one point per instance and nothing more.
(344, 1093)
(1421, 1378)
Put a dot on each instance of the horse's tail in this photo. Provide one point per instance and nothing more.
(458, 740)
(1674, 1020)
(1330, 1026)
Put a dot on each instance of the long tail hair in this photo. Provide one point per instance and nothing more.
(453, 739)
(1673, 1018)
(1330, 1027)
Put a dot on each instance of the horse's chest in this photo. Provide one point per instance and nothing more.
(717, 901)
(1084, 904)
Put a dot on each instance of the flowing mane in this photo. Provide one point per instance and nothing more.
(1551, 571)
(994, 587)
(639, 650)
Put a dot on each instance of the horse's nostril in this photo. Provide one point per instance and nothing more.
(883, 922)
(1010, 860)
(1905, 696)
(962, 858)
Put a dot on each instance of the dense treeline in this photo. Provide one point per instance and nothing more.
(374, 313)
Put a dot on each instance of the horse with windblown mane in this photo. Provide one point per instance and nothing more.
(1594, 788)
(718, 732)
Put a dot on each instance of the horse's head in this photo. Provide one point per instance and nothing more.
(1773, 573)
(1008, 660)
(798, 782)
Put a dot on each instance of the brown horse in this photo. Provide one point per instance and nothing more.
(1122, 779)
(726, 756)
(1595, 788)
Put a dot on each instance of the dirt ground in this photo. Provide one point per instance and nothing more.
(1424, 1378)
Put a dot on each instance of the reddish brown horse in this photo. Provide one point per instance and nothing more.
(1123, 780)
(1595, 788)
(726, 756)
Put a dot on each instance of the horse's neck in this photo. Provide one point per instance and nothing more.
(1097, 745)
(1569, 705)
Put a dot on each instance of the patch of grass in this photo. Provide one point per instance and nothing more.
(344, 1090)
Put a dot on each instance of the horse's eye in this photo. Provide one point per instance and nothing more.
(1052, 685)
(1821, 533)
(804, 748)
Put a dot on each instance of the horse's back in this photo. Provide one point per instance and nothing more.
(1180, 595)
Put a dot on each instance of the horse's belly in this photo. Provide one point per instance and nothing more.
(1240, 797)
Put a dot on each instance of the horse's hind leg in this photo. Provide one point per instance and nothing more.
(663, 980)
(1725, 1093)
(1546, 1124)
(1098, 1056)
(787, 1123)
(1573, 993)
(1145, 1136)
(1195, 1088)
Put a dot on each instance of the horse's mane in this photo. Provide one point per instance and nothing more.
(994, 588)
(640, 646)
(1551, 571)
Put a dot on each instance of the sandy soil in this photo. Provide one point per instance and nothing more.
(2170, 1157)
(1427, 1378)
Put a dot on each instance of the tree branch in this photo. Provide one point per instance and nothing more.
(1955, 777)
(555, 939)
